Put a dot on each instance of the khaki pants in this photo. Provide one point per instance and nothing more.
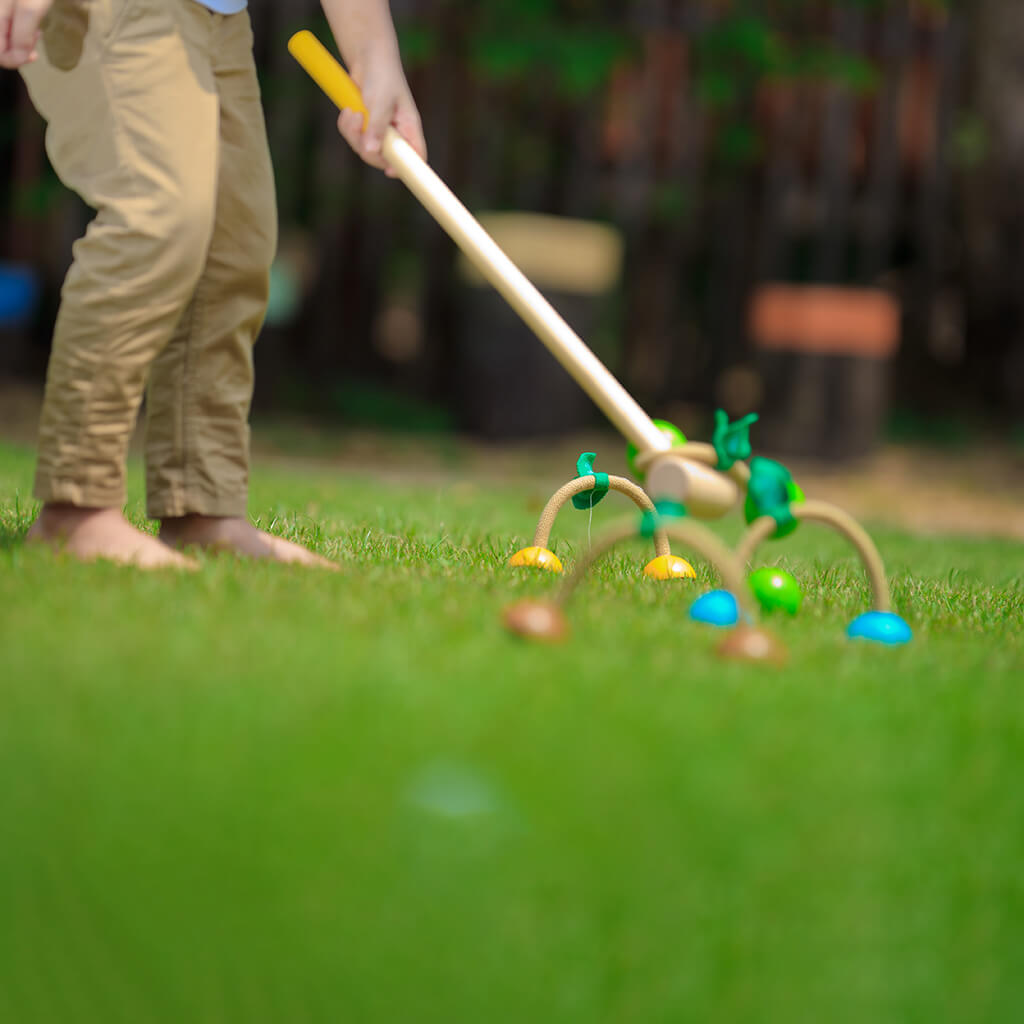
(154, 118)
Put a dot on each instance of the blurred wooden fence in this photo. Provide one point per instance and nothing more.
(793, 179)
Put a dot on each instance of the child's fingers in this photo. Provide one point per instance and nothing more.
(408, 125)
(350, 124)
(14, 59)
(6, 13)
(373, 137)
(368, 143)
(19, 30)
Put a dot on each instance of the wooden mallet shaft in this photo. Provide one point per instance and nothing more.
(562, 341)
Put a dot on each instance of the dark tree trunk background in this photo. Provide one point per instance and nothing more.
(912, 183)
(993, 210)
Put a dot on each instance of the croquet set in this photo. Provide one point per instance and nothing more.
(681, 482)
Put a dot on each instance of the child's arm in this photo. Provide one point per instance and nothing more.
(19, 30)
(366, 38)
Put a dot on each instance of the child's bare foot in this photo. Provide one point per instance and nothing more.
(103, 533)
(237, 535)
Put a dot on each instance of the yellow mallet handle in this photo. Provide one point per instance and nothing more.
(562, 341)
(327, 72)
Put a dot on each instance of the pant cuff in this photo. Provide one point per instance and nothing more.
(172, 505)
(58, 490)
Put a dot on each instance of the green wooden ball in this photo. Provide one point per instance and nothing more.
(776, 590)
(670, 430)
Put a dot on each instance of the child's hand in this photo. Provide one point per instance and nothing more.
(19, 30)
(389, 102)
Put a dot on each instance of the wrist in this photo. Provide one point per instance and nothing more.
(374, 55)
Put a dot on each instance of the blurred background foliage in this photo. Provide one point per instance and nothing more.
(730, 143)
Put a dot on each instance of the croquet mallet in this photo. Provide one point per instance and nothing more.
(567, 347)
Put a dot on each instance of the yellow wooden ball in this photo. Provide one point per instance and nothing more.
(536, 558)
(669, 567)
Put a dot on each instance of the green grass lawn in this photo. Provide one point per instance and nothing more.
(264, 794)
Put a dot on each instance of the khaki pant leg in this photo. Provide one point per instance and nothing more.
(131, 115)
(197, 435)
